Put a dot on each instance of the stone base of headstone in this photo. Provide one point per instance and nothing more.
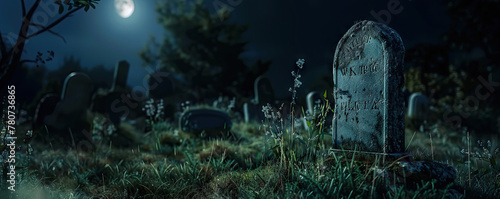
(372, 157)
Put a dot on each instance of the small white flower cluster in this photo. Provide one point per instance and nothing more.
(485, 154)
(154, 109)
(274, 121)
(185, 105)
(102, 127)
(296, 82)
(300, 63)
(29, 135)
(224, 103)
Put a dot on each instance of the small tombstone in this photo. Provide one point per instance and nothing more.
(206, 122)
(314, 101)
(263, 91)
(368, 80)
(159, 85)
(109, 102)
(120, 76)
(418, 107)
(70, 112)
(45, 107)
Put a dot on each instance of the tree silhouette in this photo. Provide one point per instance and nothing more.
(11, 55)
(202, 49)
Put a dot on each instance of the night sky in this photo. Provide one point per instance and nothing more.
(279, 31)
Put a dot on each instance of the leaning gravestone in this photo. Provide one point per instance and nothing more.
(206, 122)
(120, 76)
(418, 107)
(107, 101)
(368, 79)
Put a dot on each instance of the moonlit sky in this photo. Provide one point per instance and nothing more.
(279, 31)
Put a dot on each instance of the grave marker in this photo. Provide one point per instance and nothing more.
(71, 111)
(368, 79)
(314, 100)
(263, 91)
(418, 107)
(76, 91)
(120, 76)
(213, 122)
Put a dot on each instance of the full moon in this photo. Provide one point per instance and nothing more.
(124, 8)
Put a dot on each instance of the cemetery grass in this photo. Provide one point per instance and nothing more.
(246, 163)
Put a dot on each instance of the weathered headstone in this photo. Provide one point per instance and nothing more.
(206, 122)
(120, 76)
(75, 99)
(418, 106)
(263, 91)
(368, 79)
(159, 85)
(45, 107)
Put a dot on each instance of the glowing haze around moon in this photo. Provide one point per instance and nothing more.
(124, 8)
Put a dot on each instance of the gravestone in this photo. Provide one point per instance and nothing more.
(108, 102)
(120, 76)
(263, 94)
(368, 80)
(205, 122)
(70, 112)
(314, 101)
(45, 107)
(263, 91)
(418, 107)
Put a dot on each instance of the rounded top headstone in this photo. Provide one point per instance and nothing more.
(368, 79)
(75, 84)
(263, 90)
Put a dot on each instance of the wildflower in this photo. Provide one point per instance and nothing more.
(300, 63)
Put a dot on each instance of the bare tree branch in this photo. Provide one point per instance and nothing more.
(54, 23)
(27, 60)
(54, 33)
(14, 61)
(24, 8)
